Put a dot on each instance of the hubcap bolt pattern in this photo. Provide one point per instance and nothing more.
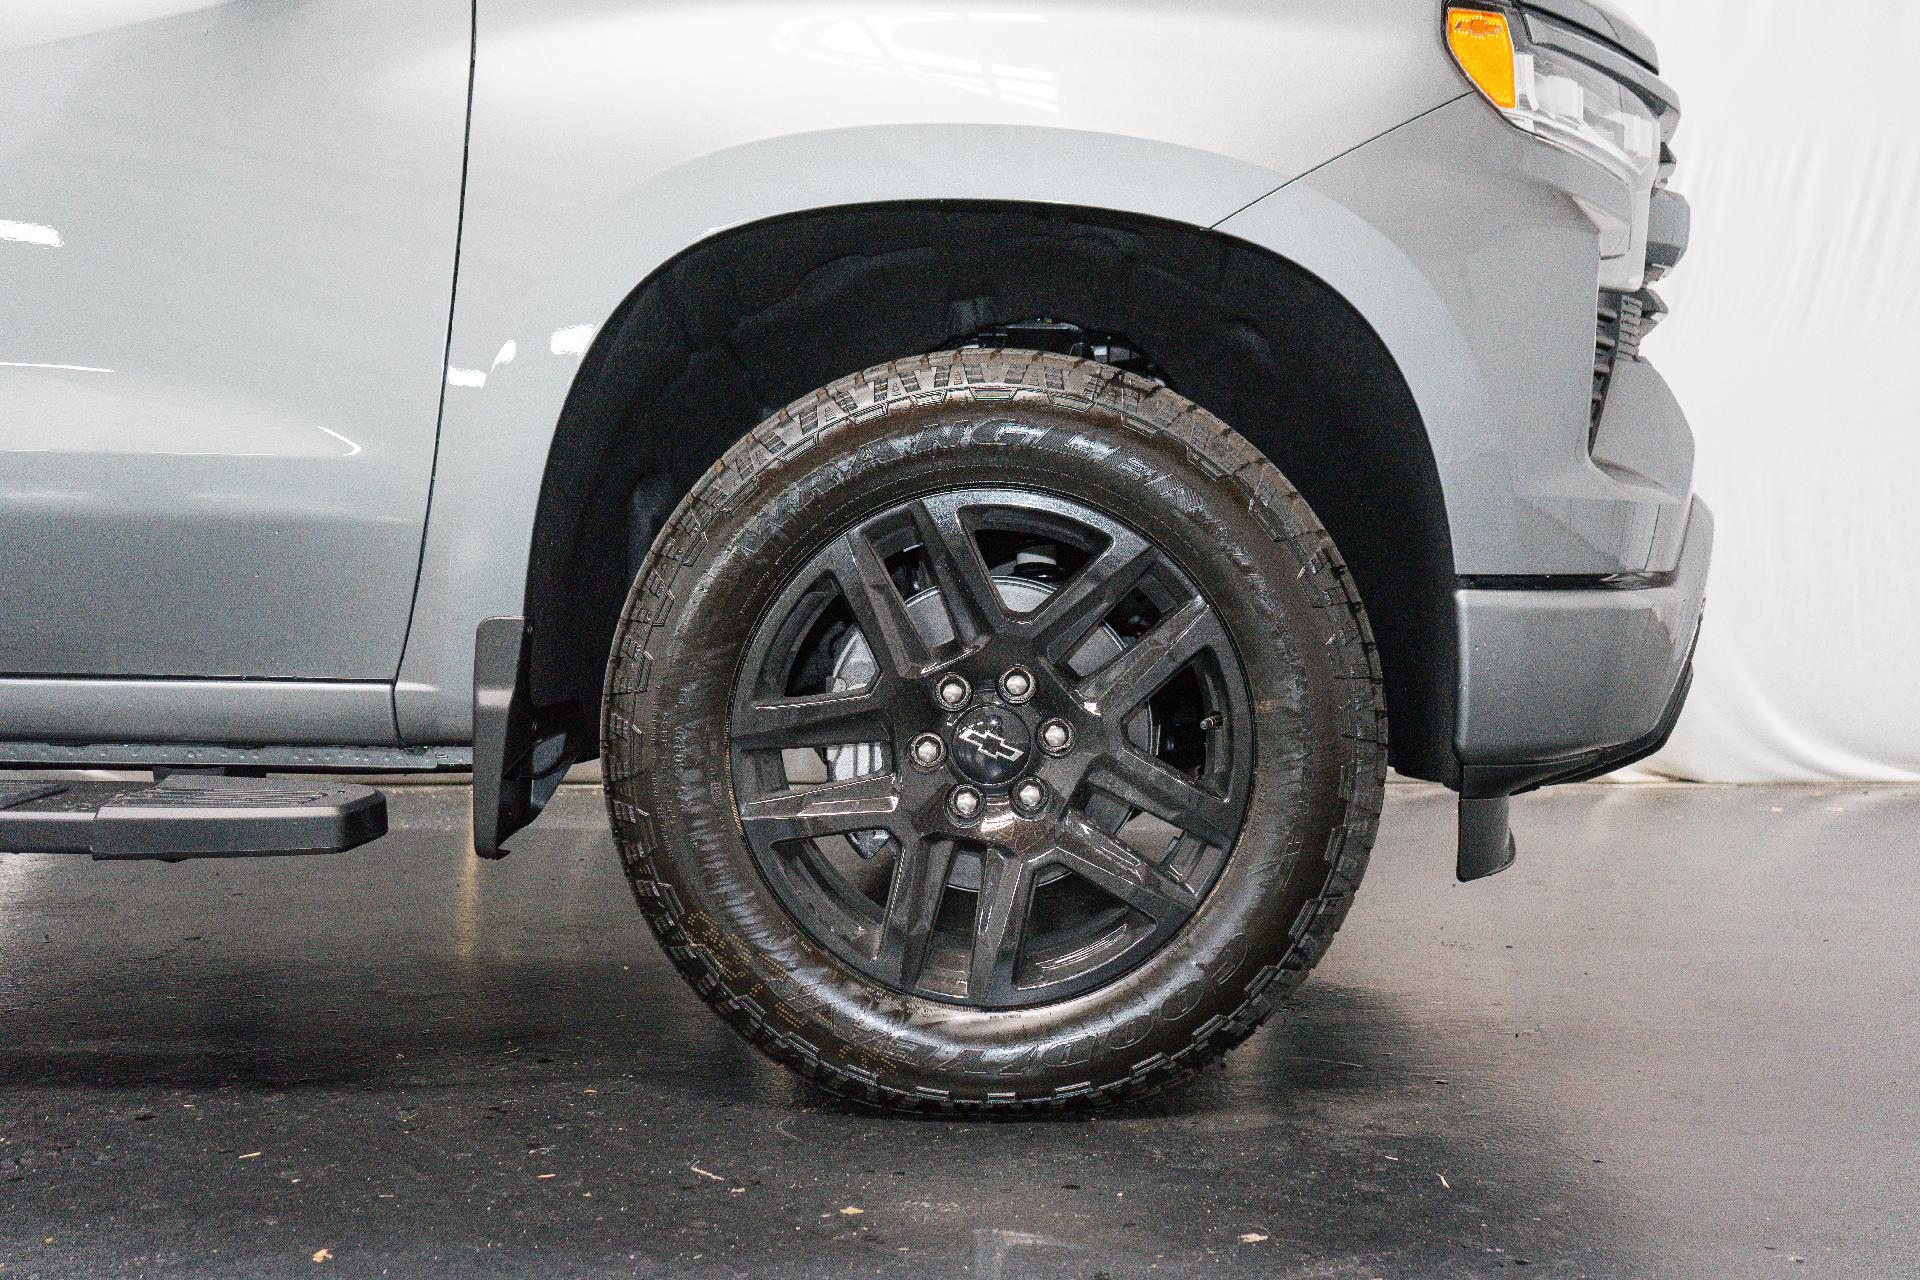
(1030, 797)
(1017, 684)
(953, 692)
(1055, 737)
(928, 750)
(964, 803)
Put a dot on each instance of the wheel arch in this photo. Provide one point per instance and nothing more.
(750, 318)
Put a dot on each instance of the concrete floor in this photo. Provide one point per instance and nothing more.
(1681, 1038)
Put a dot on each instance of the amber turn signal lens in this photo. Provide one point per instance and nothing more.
(1483, 46)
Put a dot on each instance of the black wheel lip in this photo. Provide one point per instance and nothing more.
(1060, 504)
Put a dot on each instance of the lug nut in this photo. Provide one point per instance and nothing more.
(953, 692)
(964, 803)
(1017, 684)
(1055, 737)
(928, 750)
(1030, 797)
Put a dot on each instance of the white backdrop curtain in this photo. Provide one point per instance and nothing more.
(1794, 345)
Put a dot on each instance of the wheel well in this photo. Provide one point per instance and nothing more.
(745, 322)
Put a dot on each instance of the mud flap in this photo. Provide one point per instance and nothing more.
(520, 754)
(1486, 839)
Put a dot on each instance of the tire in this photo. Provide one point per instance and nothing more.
(1141, 972)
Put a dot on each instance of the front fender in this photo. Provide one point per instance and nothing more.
(610, 137)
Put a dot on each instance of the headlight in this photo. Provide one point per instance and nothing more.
(1573, 105)
(1556, 97)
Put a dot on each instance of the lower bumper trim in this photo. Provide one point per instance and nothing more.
(1487, 782)
(1558, 685)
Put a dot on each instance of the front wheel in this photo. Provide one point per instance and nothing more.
(994, 729)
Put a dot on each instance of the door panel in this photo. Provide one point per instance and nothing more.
(227, 237)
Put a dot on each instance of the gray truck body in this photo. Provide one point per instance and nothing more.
(317, 335)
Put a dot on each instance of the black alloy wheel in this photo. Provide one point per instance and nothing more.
(988, 734)
(992, 730)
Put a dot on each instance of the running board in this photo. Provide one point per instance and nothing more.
(189, 816)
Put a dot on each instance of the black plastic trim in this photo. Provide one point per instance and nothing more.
(1638, 581)
(190, 817)
(203, 755)
(1669, 229)
(520, 753)
(1486, 840)
(1631, 42)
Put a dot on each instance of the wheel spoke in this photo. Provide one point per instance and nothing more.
(972, 601)
(1173, 797)
(829, 720)
(899, 650)
(837, 808)
(1062, 623)
(1084, 848)
(913, 903)
(864, 864)
(1149, 662)
(999, 925)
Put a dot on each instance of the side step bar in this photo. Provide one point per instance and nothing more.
(189, 816)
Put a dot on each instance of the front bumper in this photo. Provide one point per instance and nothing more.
(1559, 683)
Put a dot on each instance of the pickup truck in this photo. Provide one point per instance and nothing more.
(984, 483)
